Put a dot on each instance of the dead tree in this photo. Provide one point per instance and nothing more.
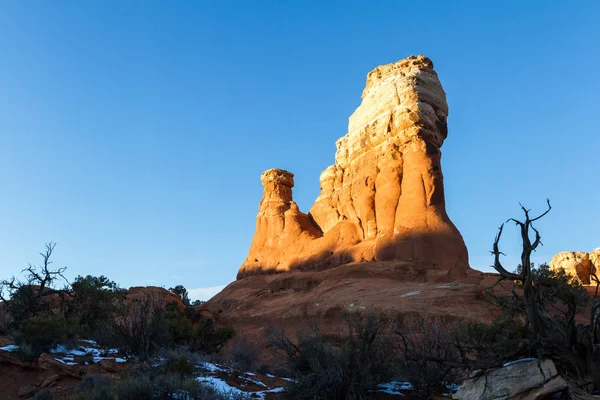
(551, 333)
(38, 293)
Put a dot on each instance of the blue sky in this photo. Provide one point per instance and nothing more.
(133, 133)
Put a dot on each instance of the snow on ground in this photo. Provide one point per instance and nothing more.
(394, 388)
(518, 361)
(66, 354)
(411, 293)
(224, 388)
(212, 367)
(220, 385)
(10, 348)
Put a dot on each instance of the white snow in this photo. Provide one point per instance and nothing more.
(256, 382)
(447, 286)
(394, 388)
(411, 293)
(10, 348)
(97, 354)
(518, 361)
(65, 362)
(220, 385)
(262, 393)
(212, 367)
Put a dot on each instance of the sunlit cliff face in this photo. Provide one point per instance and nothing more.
(382, 199)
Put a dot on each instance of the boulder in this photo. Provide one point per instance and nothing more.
(528, 379)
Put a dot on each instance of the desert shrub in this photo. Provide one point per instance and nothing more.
(140, 329)
(159, 387)
(6, 321)
(486, 342)
(275, 370)
(428, 355)
(96, 301)
(179, 324)
(187, 327)
(146, 326)
(39, 334)
(243, 354)
(337, 368)
(182, 292)
(180, 365)
(208, 338)
(44, 395)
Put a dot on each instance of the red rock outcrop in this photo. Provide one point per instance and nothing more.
(578, 264)
(382, 200)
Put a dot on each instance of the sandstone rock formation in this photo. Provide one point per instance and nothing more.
(383, 199)
(577, 263)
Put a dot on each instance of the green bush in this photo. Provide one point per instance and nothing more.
(40, 334)
(180, 365)
(209, 339)
(96, 301)
(160, 387)
(187, 327)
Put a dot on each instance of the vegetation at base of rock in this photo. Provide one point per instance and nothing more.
(144, 387)
(426, 353)
(39, 315)
(243, 354)
(40, 333)
(96, 300)
(337, 368)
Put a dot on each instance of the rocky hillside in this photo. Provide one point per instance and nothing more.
(378, 236)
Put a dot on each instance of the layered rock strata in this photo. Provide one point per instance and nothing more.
(578, 264)
(383, 199)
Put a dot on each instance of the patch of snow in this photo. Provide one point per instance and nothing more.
(220, 385)
(411, 293)
(287, 379)
(394, 388)
(65, 362)
(259, 383)
(120, 360)
(452, 387)
(59, 348)
(10, 348)
(518, 361)
(448, 286)
(212, 367)
(89, 341)
(270, 376)
(261, 394)
(250, 373)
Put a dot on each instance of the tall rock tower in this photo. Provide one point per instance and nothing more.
(382, 199)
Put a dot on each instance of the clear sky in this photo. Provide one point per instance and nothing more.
(133, 133)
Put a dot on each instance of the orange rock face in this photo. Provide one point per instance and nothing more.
(382, 200)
